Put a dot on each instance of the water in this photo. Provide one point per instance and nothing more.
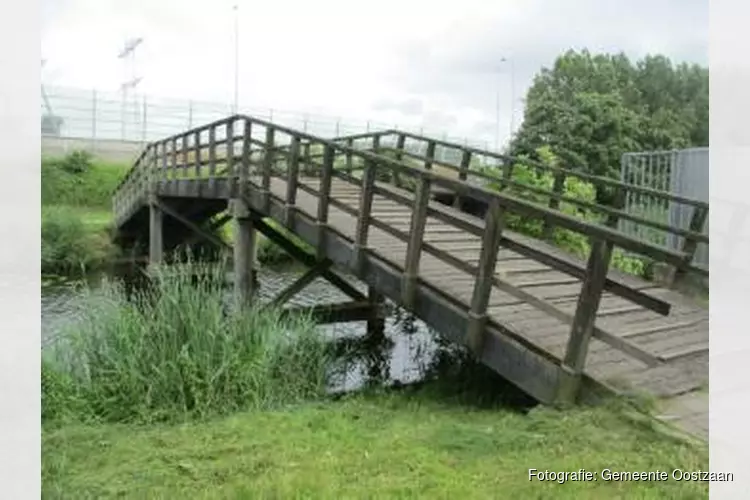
(409, 345)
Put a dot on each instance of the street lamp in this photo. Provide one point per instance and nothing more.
(512, 104)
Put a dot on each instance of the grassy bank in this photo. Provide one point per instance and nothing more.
(76, 213)
(171, 392)
(367, 446)
(77, 216)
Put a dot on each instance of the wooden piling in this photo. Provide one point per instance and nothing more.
(244, 253)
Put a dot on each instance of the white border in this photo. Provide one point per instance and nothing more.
(19, 252)
(20, 280)
(729, 221)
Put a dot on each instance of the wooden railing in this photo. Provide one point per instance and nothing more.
(247, 153)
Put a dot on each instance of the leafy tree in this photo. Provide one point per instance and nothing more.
(590, 109)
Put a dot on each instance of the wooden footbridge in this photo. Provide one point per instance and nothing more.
(381, 207)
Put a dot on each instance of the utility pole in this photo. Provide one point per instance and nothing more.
(130, 79)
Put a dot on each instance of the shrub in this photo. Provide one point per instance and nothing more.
(178, 351)
(570, 241)
(68, 245)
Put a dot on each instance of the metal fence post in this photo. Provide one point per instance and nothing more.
(144, 131)
(190, 114)
(93, 120)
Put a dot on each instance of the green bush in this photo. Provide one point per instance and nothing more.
(178, 351)
(570, 241)
(69, 245)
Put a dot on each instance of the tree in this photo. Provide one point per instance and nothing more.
(590, 109)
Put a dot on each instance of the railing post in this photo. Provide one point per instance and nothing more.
(349, 159)
(613, 219)
(212, 159)
(494, 222)
(554, 204)
(507, 175)
(163, 175)
(308, 159)
(197, 155)
(416, 235)
(268, 159)
(430, 154)
(244, 177)
(291, 182)
(584, 320)
(375, 143)
(324, 198)
(363, 218)
(690, 245)
(400, 144)
(173, 173)
(463, 174)
(184, 156)
(231, 174)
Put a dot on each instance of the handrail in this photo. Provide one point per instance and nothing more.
(465, 189)
(595, 179)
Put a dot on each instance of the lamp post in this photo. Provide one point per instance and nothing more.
(511, 126)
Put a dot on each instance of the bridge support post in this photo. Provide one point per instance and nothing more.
(244, 252)
(155, 232)
(571, 369)
(376, 321)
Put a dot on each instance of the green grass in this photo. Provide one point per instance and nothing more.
(76, 213)
(367, 446)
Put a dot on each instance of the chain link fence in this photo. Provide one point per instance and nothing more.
(97, 120)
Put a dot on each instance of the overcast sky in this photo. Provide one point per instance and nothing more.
(437, 64)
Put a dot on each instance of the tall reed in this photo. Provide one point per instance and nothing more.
(179, 350)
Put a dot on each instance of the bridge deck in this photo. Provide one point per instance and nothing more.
(664, 356)
(673, 349)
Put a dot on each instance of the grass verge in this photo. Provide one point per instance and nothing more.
(368, 446)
